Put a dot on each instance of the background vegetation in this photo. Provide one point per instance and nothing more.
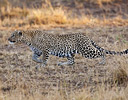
(32, 13)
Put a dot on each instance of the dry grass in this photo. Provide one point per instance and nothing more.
(43, 16)
(49, 16)
(99, 2)
(101, 94)
(86, 80)
(25, 17)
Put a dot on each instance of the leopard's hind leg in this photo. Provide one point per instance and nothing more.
(103, 60)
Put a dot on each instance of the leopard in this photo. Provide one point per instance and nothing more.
(44, 44)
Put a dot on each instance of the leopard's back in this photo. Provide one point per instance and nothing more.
(68, 44)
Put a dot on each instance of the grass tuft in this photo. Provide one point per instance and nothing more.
(11, 12)
(120, 77)
(47, 16)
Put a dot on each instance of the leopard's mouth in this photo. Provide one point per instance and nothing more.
(11, 42)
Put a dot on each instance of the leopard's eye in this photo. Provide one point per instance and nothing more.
(20, 33)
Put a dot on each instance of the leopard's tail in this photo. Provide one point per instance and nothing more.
(107, 51)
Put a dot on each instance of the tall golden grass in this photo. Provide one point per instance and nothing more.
(49, 16)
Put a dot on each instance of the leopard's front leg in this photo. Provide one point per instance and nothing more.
(35, 57)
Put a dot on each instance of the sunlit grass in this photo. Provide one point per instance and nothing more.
(47, 15)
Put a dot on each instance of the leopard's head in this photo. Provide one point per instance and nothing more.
(15, 37)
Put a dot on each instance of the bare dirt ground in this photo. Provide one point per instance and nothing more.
(18, 72)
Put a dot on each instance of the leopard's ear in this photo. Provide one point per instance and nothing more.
(20, 33)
